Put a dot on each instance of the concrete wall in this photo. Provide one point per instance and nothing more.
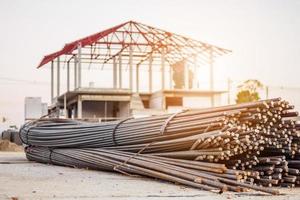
(96, 109)
(156, 102)
(196, 102)
(44, 109)
(123, 109)
(218, 100)
(33, 107)
(200, 102)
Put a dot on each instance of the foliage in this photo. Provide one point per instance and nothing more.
(248, 91)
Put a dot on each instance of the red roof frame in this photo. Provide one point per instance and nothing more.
(68, 48)
(156, 42)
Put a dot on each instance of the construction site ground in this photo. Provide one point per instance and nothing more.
(22, 179)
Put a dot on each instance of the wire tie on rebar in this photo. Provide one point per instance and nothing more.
(207, 128)
(196, 143)
(50, 156)
(27, 134)
(21, 128)
(125, 173)
(116, 168)
(115, 129)
(28, 124)
(164, 126)
(20, 135)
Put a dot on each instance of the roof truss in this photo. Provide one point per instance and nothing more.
(144, 41)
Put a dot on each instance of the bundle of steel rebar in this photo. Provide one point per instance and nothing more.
(207, 176)
(235, 136)
(280, 170)
(277, 166)
(69, 133)
(12, 136)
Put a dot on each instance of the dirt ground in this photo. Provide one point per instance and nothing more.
(6, 145)
(21, 179)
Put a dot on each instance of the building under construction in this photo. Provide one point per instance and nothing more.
(130, 70)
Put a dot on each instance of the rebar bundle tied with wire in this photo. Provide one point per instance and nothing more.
(216, 149)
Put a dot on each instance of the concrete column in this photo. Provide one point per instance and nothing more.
(75, 112)
(228, 90)
(57, 111)
(150, 73)
(120, 71)
(68, 76)
(75, 72)
(211, 67)
(65, 107)
(79, 65)
(105, 110)
(195, 72)
(170, 78)
(186, 77)
(79, 107)
(114, 73)
(130, 68)
(137, 78)
(58, 76)
(52, 81)
(163, 69)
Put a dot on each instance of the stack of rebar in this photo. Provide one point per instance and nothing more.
(278, 166)
(207, 176)
(223, 148)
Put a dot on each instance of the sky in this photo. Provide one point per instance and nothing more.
(263, 35)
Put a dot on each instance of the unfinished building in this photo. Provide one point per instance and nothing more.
(129, 70)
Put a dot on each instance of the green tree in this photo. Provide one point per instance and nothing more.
(248, 91)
